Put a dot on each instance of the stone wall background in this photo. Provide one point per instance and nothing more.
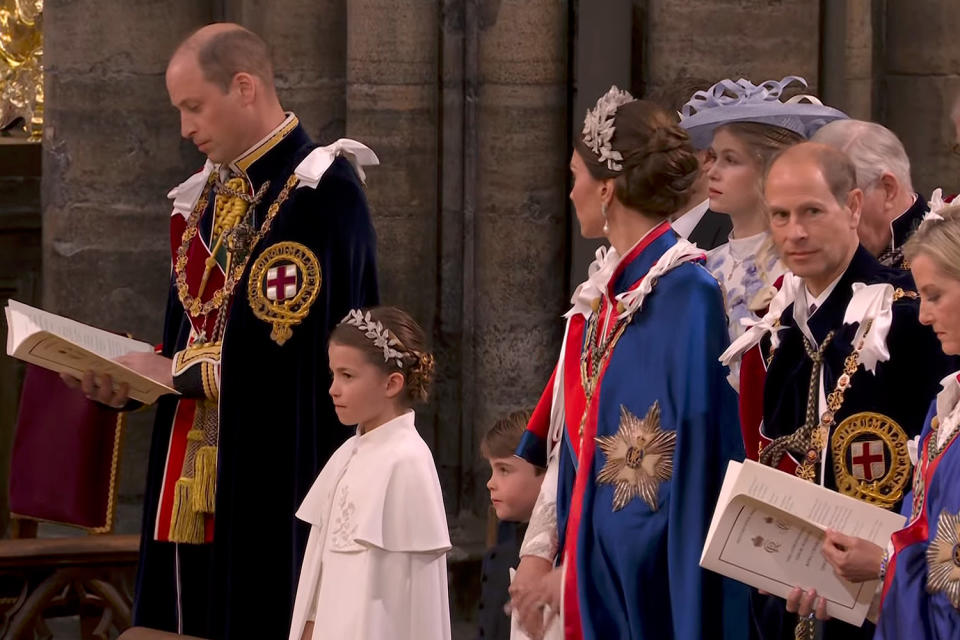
(470, 105)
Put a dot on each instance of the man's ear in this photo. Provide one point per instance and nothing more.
(890, 185)
(855, 205)
(246, 86)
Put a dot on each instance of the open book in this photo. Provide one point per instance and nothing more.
(71, 347)
(768, 529)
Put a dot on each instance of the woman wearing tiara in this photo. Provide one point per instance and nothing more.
(647, 422)
(744, 126)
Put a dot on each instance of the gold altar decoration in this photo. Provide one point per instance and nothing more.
(21, 65)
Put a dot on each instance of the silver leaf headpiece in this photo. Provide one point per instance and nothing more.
(379, 334)
(598, 127)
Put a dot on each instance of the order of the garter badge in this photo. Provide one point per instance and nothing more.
(870, 459)
(943, 559)
(639, 458)
(284, 281)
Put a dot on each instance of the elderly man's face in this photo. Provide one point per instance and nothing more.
(815, 234)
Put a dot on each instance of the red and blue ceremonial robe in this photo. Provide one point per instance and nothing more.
(638, 484)
(921, 598)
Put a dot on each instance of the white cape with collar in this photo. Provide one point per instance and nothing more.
(375, 565)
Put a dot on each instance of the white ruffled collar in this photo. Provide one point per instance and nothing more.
(948, 408)
(587, 295)
(589, 292)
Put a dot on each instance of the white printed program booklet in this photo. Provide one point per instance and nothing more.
(67, 346)
(768, 529)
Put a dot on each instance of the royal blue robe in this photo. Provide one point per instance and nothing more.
(634, 573)
(910, 609)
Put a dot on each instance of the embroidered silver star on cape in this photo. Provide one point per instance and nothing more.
(943, 559)
(639, 458)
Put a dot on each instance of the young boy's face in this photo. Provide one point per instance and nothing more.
(514, 485)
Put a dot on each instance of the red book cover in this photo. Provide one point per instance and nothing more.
(66, 453)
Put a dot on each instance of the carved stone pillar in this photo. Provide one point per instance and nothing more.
(921, 82)
(520, 235)
(393, 103)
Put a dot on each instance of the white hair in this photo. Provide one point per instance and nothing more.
(873, 149)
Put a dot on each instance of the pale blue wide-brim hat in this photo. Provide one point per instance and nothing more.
(742, 101)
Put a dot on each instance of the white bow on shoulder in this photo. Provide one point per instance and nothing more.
(319, 160)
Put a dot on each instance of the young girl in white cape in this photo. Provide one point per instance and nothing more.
(375, 565)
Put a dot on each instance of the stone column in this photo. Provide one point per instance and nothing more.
(921, 82)
(715, 39)
(111, 151)
(448, 331)
(393, 102)
(308, 42)
(850, 57)
(520, 237)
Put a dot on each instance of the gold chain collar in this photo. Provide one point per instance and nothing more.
(193, 304)
(770, 454)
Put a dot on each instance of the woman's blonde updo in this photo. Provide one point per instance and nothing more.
(659, 163)
(417, 364)
(939, 240)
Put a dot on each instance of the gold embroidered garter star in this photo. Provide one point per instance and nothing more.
(943, 559)
(639, 458)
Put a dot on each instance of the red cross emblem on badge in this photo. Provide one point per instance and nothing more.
(281, 282)
(868, 460)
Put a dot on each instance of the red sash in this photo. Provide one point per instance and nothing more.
(197, 255)
(918, 530)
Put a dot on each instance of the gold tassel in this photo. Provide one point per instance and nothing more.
(186, 524)
(205, 479)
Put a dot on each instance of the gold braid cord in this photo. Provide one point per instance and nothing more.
(595, 354)
(799, 439)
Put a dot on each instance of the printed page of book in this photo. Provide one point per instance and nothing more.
(70, 347)
(27, 320)
(768, 529)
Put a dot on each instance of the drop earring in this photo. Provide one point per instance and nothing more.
(606, 223)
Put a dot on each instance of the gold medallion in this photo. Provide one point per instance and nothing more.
(639, 458)
(943, 559)
(870, 459)
(284, 281)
